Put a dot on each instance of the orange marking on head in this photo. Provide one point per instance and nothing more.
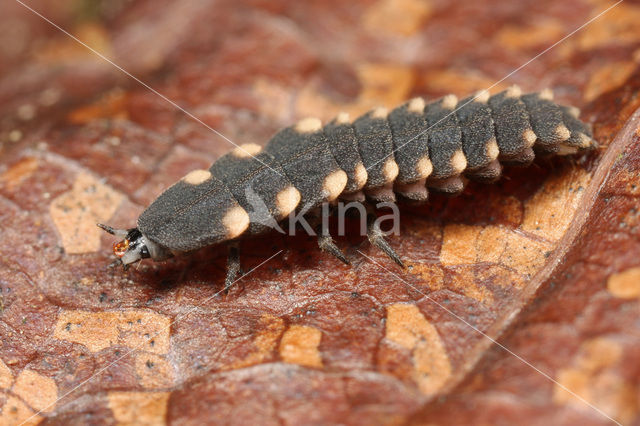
(119, 249)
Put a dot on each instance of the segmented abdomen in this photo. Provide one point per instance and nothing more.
(406, 151)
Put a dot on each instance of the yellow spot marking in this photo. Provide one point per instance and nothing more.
(625, 284)
(562, 133)
(546, 94)
(406, 326)
(6, 378)
(360, 175)
(416, 105)
(76, 212)
(380, 112)
(235, 221)
(449, 102)
(246, 150)
(482, 96)
(334, 184)
(287, 200)
(308, 125)
(574, 111)
(458, 162)
(529, 138)
(424, 167)
(585, 141)
(390, 170)
(299, 345)
(492, 149)
(196, 177)
(39, 391)
(147, 408)
(514, 92)
(343, 118)
(98, 330)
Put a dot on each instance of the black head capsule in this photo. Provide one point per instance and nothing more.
(134, 246)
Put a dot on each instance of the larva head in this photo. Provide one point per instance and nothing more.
(134, 246)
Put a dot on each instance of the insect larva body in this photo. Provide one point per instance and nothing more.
(405, 152)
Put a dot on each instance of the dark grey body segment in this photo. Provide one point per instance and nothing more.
(187, 217)
(375, 145)
(511, 121)
(412, 148)
(445, 139)
(576, 127)
(343, 145)
(254, 183)
(410, 141)
(546, 119)
(478, 130)
(306, 160)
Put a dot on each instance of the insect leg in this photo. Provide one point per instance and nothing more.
(325, 241)
(233, 266)
(376, 237)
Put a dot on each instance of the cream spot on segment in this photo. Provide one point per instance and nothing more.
(380, 112)
(308, 125)
(424, 167)
(529, 138)
(574, 111)
(40, 392)
(287, 200)
(246, 150)
(390, 170)
(299, 345)
(343, 118)
(449, 102)
(334, 184)
(625, 284)
(235, 221)
(196, 177)
(562, 133)
(458, 161)
(514, 92)
(546, 94)
(585, 141)
(360, 175)
(416, 105)
(482, 96)
(407, 327)
(492, 149)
